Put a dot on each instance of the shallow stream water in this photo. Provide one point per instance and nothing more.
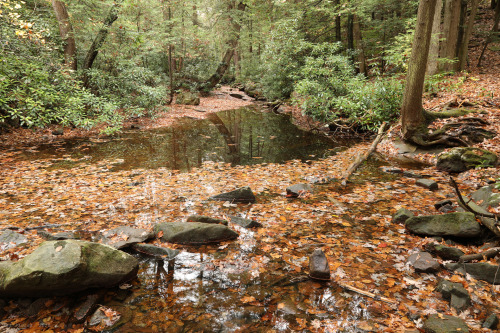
(238, 286)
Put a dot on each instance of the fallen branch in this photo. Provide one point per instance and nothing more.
(361, 158)
(488, 219)
(488, 254)
(367, 293)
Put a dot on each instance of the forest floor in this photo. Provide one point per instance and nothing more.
(353, 225)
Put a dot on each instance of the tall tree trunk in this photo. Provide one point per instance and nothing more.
(464, 46)
(99, 40)
(228, 55)
(412, 116)
(359, 46)
(66, 32)
(432, 63)
(494, 30)
(350, 35)
(338, 30)
(450, 33)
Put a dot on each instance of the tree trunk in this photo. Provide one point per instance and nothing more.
(464, 46)
(450, 33)
(66, 32)
(228, 55)
(359, 46)
(494, 30)
(412, 116)
(338, 30)
(432, 64)
(99, 40)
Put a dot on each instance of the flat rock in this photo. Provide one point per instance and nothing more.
(440, 204)
(444, 324)
(455, 293)
(245, 223)
(444, 252)
(123, 237)
(318, 266)
(452, 224)
(424, 262)
(478, 270)
(491, 322)
(402, 215)
(298, 190)
(194, 232)
(59, 236)
(240, 195)
(10, 239)
(461, 159)
(205, 219)
(427, 183)
(156, 251)
(65, 267)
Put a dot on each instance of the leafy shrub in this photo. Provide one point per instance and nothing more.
(330, 89)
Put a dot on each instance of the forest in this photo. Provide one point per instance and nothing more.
(249, 166)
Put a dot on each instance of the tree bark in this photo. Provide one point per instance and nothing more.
(359, 46)
(450, 33)
(338, 31)
(464, 46)
(412, 116)
(99, 40)
(228, 55)
(432, 63)
(67, 34)
(492, 33)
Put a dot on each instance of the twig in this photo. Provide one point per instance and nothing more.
(361, 158)
(367, 293)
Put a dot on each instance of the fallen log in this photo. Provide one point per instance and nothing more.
(488, 254)
(362, 157)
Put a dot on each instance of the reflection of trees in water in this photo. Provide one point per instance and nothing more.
(237, 136)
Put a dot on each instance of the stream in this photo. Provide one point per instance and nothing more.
(252, 284)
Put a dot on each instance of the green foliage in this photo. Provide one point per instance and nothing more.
(442, 82)
(330, 89)
(398, 54)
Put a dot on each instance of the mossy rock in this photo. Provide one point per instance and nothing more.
(187, 98)
(462, 159)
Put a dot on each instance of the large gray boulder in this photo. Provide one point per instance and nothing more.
(463, 159)
(194, 232)
(452, 224)
(65, 267)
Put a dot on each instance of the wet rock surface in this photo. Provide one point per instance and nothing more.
(452, 224)
(298, 190)
(319, 268)
(123, 237)
(458, 160)
(205, 219)
(444, 252)
(480, 271)
(402, 215)
(156, 251)
(245, 223)
(65, 267)
(194, 232)
(10, 239)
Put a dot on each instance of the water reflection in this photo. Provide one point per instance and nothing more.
(241, 136)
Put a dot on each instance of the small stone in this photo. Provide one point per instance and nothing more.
(10, 239)
(59, 236)
(452, 224)
(424, 262)
(443, 203)
(455, 293)
(428, 184)
(318, 266)
(245, 223)
(391, 170)
(58, 131)
(402, 215)
(491, 322)
(155, 251)
(298, 190)
(205, 219)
